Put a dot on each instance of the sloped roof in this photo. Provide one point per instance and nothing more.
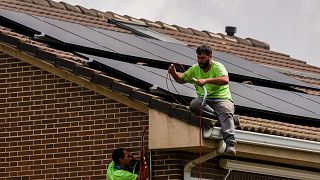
(250, 49)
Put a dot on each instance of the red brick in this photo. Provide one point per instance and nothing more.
(50, 101)
(26, 113)
(49, 141)
(62, 115)
(62, 105)
(86, 113)
(15, 109)
(4, 115)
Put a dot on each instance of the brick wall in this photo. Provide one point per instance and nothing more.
(51, 128)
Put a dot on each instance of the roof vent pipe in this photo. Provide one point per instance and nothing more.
(231, 30)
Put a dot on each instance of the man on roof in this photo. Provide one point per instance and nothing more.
(214, 76)
(122, 161)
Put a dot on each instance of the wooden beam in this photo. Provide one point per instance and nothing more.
(72, 77)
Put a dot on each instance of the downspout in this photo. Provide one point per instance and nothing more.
(187, 168)
(150, 164)
(221, 146)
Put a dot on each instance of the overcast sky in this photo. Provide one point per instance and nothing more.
(289, 26)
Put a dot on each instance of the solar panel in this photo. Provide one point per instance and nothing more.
(282, 101)
(242, 66)
(250, 96)
(236, 65)
(147, 32)
(295, 99)
(157, 77)
(158, 52)
(94, 38)
(130, 46)
(39, 26)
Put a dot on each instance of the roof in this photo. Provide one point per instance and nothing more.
(248, 48)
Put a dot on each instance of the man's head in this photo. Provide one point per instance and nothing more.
(204, 55)
(122, 157)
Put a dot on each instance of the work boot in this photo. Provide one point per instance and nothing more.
(231, 147)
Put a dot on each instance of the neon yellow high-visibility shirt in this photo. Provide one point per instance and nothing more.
(114, 174)
(214, 91)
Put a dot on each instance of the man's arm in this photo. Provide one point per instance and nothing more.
(220, 81)
(176, 76)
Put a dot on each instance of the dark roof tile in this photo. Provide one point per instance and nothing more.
(179, 113)
(183, 30)
(160, 105)
(66, 64)
(84, 71)
(71, 7)
(143, 97)
(195, 120)
(231, 39)
(104, 80)
(46, 56)
(135, 20)
(28, 1)
(28, 48)
(214, 35)
(109, 14)
(101, 14)
(56, 5)
(123, 88)
(151, 24)
(87, 11)
(199, 33)
(117, 16)
(166, 26)
(42, 3)
(260, 44)
(244, 41)
(12, 41)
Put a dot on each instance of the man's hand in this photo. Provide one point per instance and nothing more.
(200, 82)
(176, 76)
(172, 70)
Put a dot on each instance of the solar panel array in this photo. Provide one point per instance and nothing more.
(255, 97)
(150, 50)
(137, 47)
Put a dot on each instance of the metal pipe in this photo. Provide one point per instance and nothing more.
(150, 164)
(187, 168)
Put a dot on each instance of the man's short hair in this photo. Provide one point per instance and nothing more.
(204, 49)
(117, 154)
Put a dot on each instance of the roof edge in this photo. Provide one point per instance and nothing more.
(266, 140)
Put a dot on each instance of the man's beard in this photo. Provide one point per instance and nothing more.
(204, 65)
